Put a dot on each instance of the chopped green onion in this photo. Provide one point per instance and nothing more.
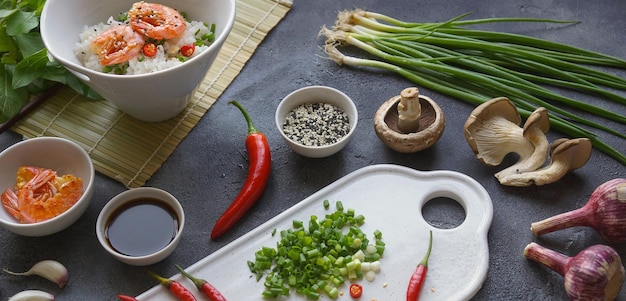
(122, 17)
(207, 38)
(320, 258)
(116, 69)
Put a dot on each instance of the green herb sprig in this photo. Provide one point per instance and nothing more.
(25, 69)
(476, 66)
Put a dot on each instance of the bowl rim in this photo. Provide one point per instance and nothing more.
(86, 192)
(219, 40)
(350, 103)
(121, 199)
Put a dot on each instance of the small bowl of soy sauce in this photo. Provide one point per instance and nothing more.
(141, 226)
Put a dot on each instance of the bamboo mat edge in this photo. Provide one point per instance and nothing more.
(131, 151)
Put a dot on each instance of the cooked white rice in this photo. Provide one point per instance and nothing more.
(141, 64)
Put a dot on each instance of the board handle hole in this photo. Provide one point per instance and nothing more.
(443, 213)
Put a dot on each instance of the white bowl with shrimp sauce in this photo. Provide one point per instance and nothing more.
(141, 226)
(58, 154)
(149, 97)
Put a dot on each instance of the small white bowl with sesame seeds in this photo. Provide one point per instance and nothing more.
(316, 121)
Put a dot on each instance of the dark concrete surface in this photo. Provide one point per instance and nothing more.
(209, 167)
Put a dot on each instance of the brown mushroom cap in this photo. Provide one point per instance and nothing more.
(539, 118)
(576, 151)
(430, 129)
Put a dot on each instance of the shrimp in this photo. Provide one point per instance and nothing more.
(43, 196)
(25, 173)
(117, 45)
(156, 21)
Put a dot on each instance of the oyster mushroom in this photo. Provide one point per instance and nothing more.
(409, 122)
(493, 131)
(534, 130)
(565, 155)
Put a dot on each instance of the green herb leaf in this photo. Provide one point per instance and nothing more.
(21, 22)
(7, 44)
(9, 58)
(78, 86)
(25, 69)
(6, 12)
(11, 100)
(29, 43)
(56, 72)
(30, 68)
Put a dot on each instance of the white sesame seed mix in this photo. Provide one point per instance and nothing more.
(316, 124)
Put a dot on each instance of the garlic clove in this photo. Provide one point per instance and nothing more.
(32, 295)
(49, 269)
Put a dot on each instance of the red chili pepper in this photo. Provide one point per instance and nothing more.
(126, 298)
(419, 275)
(187, 50)
(204, 286)
(175, 288)
(356, 290)
(149, 50)
(258, 173)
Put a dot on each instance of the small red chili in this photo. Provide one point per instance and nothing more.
(149, 49)
(419, 275)
(175, 288)
(187, 50)
(126, 298)
(204, 286)
(356, 290)
(258, 173)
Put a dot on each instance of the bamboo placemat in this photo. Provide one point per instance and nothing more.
(129, 150)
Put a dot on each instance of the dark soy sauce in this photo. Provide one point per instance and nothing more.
(141, 227)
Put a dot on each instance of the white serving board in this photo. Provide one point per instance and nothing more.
(391, 198)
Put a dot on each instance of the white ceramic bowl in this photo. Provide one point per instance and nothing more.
(316, 94)
(148, 97)
(127, 197)
(58, 154)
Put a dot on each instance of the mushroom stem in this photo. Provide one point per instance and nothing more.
(534, 131)
(565, 156)
(409, 110)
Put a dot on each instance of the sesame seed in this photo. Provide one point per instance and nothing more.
(316, 124)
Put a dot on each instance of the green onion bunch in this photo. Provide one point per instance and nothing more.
(476, 66)
(318, 259)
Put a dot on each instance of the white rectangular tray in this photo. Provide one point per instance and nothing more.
(391, 198)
